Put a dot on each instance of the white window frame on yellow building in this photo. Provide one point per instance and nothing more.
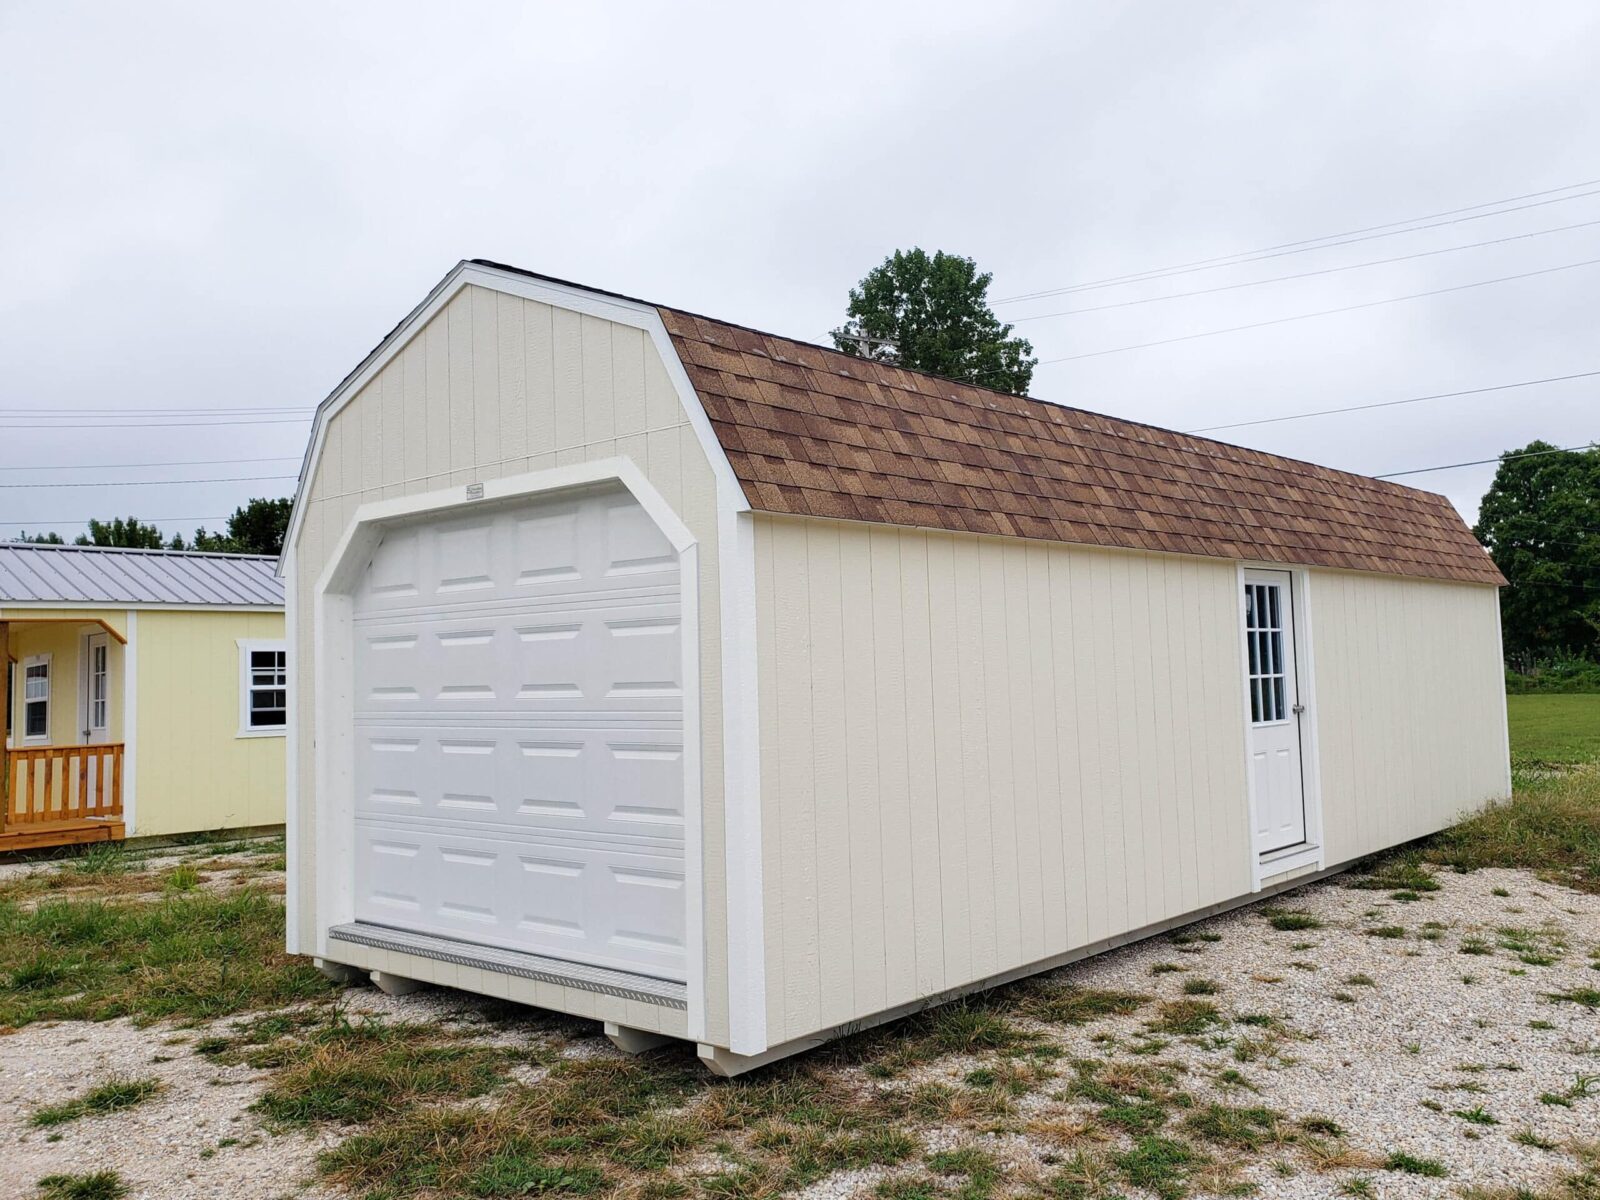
(248, 647)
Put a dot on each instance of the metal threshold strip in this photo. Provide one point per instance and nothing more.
(513, 962)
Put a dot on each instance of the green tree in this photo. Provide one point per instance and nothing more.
(1540, 521)
(257, 527)
(129, 533)
(931, 313)
(42, 539)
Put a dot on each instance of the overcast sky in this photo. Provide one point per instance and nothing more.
(219, 206)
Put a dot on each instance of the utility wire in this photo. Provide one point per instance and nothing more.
(1376, 262)
(80, 427)
(1484, 461)
(1284, 248)
(194, 462)
(149, 482)
(212, 409)
(1326, 312)
(1328, 412)
(42, 521)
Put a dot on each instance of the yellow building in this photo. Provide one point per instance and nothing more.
(146, 694)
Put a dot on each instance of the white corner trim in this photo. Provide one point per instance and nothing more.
(1505, 705)
(741, 698)
(130, 725)
(632, 313)
(291, 770)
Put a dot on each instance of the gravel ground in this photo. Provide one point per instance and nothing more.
(1435, 1026)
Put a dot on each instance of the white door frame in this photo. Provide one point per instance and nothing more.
(1314, 853)
(333, 748)
(91, 735)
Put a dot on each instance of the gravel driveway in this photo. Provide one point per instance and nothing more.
(1424, 1027)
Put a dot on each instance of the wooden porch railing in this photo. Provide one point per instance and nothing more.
(63, 783)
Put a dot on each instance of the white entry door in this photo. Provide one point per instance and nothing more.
(1275, 710)
(97, 690)
(518, 708)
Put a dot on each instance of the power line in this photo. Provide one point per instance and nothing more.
(1327, 312)
(1484, 461)
(178, 411)
(40, 521)
(1286, 248)
(1328, 412)
(167, 424)
(1376, 262)
(194, 462)
(149, 482)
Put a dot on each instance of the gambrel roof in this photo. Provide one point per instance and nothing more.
(813, 432)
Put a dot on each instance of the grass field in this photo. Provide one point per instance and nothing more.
(1554, 728)
(1552, 825)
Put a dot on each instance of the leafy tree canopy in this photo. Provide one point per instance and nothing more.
(256, 528)
(130, 533)
(42, 539)
(931, 313)
(1540, 520)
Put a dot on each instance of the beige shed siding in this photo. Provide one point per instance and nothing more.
(1410, 706)
(978, 753)
(496, 385)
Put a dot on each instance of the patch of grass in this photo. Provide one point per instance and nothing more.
(353, 1073)
(1186, 1018)
(1475, 1116)
(1549, 728)
(1287, 920)
(1166, 968)
(97, 1185)
(1359, 980)
(1395, 873)
(1410, 1164)
(1476, 946)
(1200, 987)
(1157, 1164)
(1237, 1128)
(182, 878)
(1588, 997)
(1527, 1137)
(1078, 1006)
(113, 1095)
(196, 956)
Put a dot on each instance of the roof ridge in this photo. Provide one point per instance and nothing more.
(58, 546)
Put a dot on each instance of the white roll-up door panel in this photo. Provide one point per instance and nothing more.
(519, 733)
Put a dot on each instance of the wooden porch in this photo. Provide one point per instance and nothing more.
(61, 796)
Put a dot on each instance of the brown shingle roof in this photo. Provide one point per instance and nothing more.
(811, 432)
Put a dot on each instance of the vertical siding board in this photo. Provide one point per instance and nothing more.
(1142, 651)
(999, 787)
(660, 400)
(922, 758)
(1088, 633)
(567, 351)
(1046, 792)
(414, 362)
(773, 797)
(834, 852)
(436, 364)
(889, 785)
(388, 468)
(599, 393)
(485, 379)
(628, 350)
(797, 811)
(949, 744)
(971, 700)
(870, 868)
(1063, 569)
(539, 373)
(513, 375)
(462, 406)
(1110, 661)
(664, 450)
(1177, 778)
(1026, 854)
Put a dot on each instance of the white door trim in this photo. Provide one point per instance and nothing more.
(333, 747)
(1314, 852)
(92, 736)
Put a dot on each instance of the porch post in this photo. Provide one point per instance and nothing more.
(5, 715)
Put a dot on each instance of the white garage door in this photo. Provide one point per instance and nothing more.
(519, 733)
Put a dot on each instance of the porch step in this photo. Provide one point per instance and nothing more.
(514, 962)
(45, 834)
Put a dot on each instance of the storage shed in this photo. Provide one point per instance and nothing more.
(723, 687)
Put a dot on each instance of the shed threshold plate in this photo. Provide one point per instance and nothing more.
(513, 962)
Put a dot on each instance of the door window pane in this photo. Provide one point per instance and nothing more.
(1263, 622)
